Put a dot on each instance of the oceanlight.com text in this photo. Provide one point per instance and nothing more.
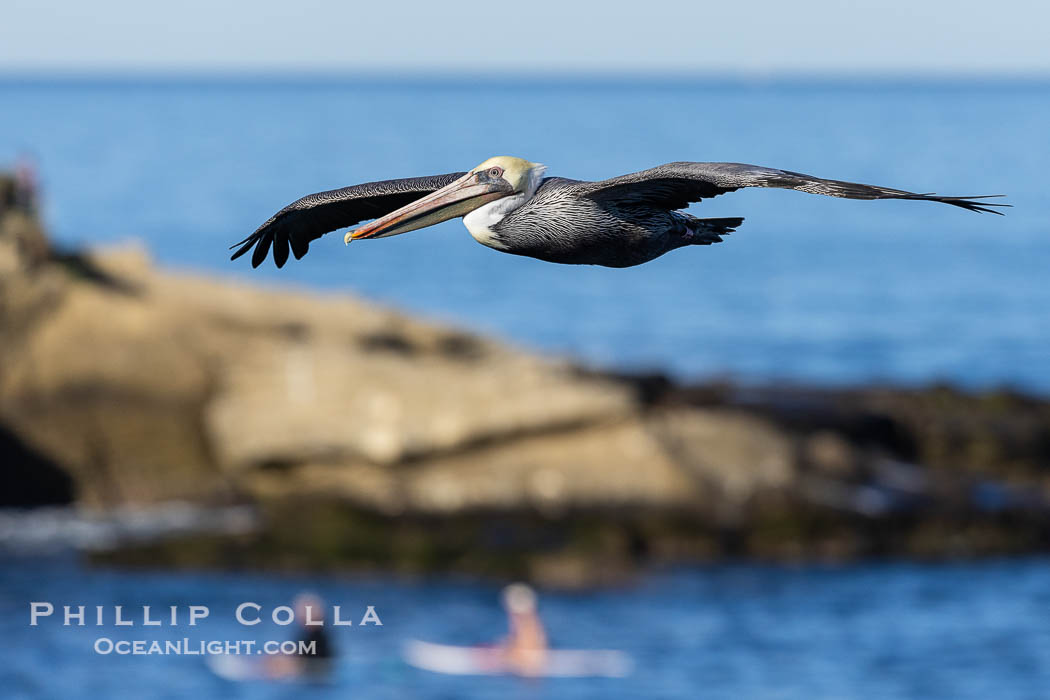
(187, 647)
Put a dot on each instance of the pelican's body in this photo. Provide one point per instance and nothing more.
(507, 204)
(560, 223)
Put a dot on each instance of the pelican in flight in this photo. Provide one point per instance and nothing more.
(507, 204)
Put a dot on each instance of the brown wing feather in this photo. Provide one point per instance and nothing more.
(309, 218)
(676, 185)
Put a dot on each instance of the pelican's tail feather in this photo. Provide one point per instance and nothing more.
(708, 231)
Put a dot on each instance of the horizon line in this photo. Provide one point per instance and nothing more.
(489, 78)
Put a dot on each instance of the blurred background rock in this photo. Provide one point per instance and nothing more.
(362, 438)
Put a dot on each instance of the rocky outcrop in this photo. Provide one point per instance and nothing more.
(148, 386)
(371, 438)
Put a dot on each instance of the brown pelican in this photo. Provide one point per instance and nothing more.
(507, 204)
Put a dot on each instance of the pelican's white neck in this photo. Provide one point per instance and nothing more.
(481, 221)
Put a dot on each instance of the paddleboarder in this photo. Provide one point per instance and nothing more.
(526, 644)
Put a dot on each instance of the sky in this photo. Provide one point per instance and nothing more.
(612, 37)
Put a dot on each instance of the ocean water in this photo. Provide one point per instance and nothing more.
(735, 631)
(810, 288)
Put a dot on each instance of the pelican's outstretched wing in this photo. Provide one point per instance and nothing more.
(675, 185)
(314, 215)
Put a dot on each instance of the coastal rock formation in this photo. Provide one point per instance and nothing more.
(147, 386)
(365, 437)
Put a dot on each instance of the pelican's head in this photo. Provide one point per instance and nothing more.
(506, 178)
(524, 176)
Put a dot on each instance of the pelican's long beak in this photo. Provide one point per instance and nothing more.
(457, 199)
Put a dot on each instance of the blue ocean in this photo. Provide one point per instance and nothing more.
(735, 631)
(810, 289)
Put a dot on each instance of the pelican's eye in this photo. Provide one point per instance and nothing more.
(495, 172)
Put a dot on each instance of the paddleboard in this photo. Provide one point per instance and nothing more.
(491, 661)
